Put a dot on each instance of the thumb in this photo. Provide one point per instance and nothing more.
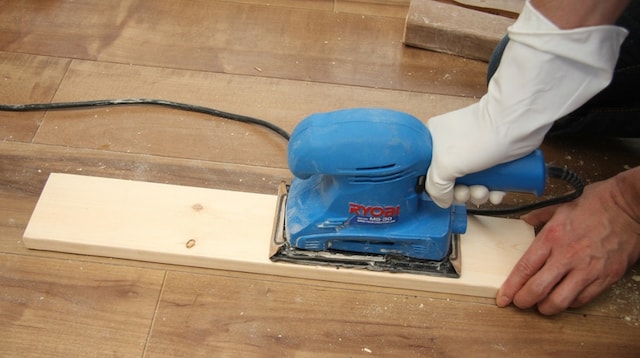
(539, 217)
(440, 190)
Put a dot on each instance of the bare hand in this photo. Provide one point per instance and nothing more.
(584, 247)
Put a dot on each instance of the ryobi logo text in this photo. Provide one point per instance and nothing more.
(375, 211)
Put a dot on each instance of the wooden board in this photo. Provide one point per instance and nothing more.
(513, 6)
(231, 231)
(453, 29)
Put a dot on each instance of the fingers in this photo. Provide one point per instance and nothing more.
(461, 193)
(518, 281)
(476, 194)
(554, 280)
(549, 290)
(479, 194)
(495, 197)
(581, 286)
(577, 289)
(553, 290)
(444, 192)
(552, 287)
(567, 293)
(589, 293)
(584, 247)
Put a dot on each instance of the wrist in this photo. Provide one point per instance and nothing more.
(627, 192)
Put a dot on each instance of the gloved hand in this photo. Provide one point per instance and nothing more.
(545, 73)
(476, 194)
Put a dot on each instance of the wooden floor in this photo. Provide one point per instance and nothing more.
(279, 60)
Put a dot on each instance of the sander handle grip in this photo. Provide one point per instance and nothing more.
(525, 175)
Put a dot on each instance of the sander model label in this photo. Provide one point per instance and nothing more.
(373, 215)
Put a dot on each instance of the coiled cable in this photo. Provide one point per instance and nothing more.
(554, 172)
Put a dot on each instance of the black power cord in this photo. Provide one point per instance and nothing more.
(553, 172)
(563, 174)
(143, 101)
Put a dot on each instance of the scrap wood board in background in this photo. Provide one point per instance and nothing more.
(454, 29)
(512, 6)
(232, 230)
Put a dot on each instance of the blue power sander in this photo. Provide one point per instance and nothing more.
(358, 198)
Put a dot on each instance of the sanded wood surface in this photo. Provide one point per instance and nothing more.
(56, 304)
(453, 29)
(232, 230)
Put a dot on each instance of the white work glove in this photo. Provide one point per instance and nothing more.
(545, 73)
(476, 194)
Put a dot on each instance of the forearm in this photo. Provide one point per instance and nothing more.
(570, 14)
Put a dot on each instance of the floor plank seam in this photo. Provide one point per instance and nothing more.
(155, 314)
(53, 95)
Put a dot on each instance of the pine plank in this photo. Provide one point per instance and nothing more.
(26, 79)
(202, 316)
(28, 166)
(238, 38)
(62, 308)
(231, 230)
(24, 169)
(159, 131)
